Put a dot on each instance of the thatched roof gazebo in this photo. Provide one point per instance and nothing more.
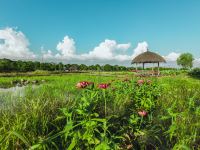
(148, 57)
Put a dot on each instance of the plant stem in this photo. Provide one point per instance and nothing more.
(104, 95)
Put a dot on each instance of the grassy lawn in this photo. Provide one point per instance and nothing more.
(131, 113)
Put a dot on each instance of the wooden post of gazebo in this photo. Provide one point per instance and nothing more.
(152, 70)
(136, 67)
(143, 69)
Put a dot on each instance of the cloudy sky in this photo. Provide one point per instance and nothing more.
(98, 31)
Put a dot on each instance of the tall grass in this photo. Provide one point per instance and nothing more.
(180, 112)
(27, 120)
(56, 115)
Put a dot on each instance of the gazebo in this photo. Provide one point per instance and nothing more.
(148, 57)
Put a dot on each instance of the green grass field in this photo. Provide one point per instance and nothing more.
(152, 113)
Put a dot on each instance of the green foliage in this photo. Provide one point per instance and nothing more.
(107, 67)
(185, 60)
(180, 113)
(7, 65)
(56, 115)
(173, 72)
(195, 72)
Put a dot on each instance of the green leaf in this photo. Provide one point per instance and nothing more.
(73, 143)
(102, 146)
(35, 146)
(21, 137)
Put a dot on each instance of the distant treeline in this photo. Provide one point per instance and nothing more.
(7, 65)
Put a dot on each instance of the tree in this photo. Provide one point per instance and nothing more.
(92, 67)
(36, 65)
(28, 66)
(185, 60)
(108, 67)
(83, 67)
(7, 65)
(98, 67)
(123, 68)
(60, 66)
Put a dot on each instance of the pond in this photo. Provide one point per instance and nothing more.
(17, 90)
(9, 96)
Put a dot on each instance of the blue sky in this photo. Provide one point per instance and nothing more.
(167, 26)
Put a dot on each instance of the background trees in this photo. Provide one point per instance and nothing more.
(83, 67)
(185, 60)
(7, 65)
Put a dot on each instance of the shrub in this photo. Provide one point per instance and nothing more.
(195, 72)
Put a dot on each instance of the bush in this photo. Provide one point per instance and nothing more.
(173, 72)
(195, 72)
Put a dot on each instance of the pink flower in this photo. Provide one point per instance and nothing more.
(79, 85)
(140, 82)
(142, 113)
(83, 84)
(103, 86)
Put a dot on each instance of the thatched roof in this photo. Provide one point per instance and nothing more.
(148, 57)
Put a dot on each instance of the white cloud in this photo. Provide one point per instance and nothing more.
(14, 45)
(197, 62)
(172, 56)
(123, 47)
(67, 47)
(111, 50)
(141, 48)
(107, 50)
(47, 54)
(122, 58)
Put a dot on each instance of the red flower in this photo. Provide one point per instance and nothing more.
(142, 113)
(140, 82)
(103, 86)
